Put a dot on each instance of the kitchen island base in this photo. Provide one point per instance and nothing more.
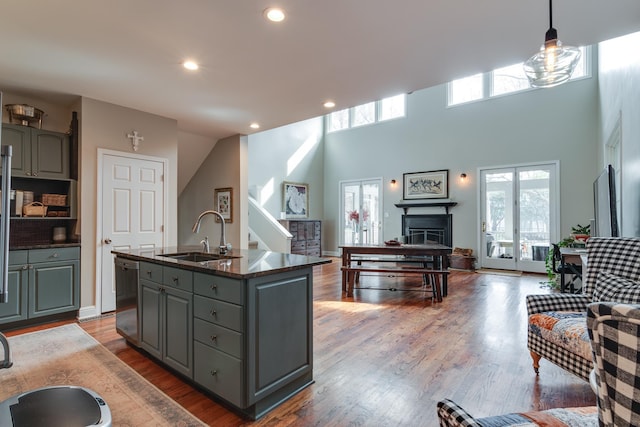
(246, 339)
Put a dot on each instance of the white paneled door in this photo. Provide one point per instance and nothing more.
(132, 206)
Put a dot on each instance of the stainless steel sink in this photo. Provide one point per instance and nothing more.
(198, 256)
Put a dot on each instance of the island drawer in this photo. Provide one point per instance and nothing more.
(54, 254)
(218, 312)
(222, 288)
(150, 271)
(218, 337)
(177, 278)
(219, 373)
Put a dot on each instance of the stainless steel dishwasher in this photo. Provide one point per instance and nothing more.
(127, 299)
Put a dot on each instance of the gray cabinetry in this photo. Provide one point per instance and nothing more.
(219, 349)
(54, 275)
(279, 332)
(16, 309)
(37, 152)
(253, 337)
(42, 282)
(250, 339)
(166, 313)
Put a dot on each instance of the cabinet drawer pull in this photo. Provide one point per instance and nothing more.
(149, 273)
(214, 337)
(213, 313)
(214, 287)
(55, 255)
(175, 280)
(213, 372)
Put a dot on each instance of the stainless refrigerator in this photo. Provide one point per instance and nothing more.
(5, 151)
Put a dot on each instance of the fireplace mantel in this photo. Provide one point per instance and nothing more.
(406, 205)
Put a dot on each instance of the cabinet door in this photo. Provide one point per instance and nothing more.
(178, 330)
(150, 306)
(53, 287)
(49, 154)
(19, 138)
(16, 308)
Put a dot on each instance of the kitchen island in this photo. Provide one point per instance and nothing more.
(238, 325)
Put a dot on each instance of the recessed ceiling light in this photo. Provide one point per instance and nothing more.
(190, 65)
(274, 14)
(254, 126)
(329, 104)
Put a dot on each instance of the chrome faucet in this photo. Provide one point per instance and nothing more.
(223, 241)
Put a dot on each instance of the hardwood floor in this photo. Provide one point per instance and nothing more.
(385, 358)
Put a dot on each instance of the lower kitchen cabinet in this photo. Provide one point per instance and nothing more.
(166, 314)
(16, 308)
(42, 282)
(248, 341)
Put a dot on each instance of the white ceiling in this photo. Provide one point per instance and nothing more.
(128, 52)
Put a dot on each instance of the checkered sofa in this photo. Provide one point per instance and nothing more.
(450, 414)
(614, 330)
(557, 322)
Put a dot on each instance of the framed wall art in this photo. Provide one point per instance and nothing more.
(224, 203)
(295, 200)
(426, 185)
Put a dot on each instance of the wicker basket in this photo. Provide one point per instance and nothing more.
(54, 199)
(34, 209)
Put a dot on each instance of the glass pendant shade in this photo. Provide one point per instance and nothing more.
(554, 63)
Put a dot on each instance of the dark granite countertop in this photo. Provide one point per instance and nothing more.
(239, 263)
(44, 246)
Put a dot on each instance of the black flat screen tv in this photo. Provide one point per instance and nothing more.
(606, 216)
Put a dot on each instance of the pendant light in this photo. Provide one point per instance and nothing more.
(554, 63)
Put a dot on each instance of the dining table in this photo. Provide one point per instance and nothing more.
(436, 253)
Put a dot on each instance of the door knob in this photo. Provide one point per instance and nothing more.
(107, 241)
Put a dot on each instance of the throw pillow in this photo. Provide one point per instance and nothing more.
(610, 287)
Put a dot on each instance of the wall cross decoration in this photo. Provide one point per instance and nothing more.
(135, 139)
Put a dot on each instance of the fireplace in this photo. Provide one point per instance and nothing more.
(417, 229)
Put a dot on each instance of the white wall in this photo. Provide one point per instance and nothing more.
(290, 153)
(619, 70)
(193, 149)
(533, 126)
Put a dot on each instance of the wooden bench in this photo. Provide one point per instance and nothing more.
(426, 262)
(353, 273)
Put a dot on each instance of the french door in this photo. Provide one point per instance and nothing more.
(360, 207)
(519, 209)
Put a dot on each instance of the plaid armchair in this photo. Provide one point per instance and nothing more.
(557, 322)
(450, 414)
(614, 330)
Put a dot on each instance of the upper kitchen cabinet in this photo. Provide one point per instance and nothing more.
(36, 152)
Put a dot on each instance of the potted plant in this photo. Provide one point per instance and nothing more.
(581, 233)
